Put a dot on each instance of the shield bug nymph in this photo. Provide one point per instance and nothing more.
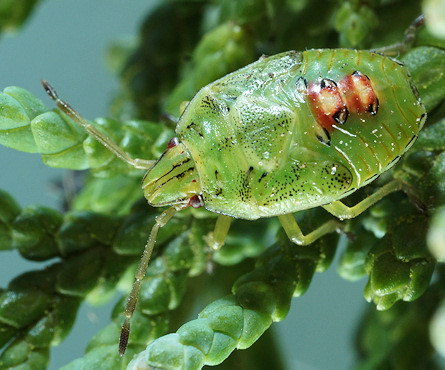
(286, 133)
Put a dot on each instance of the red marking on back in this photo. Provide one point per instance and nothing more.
(358, 93)
(331, 103)
(325, 102)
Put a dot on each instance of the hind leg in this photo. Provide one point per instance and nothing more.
(337, 209)
(295, 234)
(340, 210)
(408, 41)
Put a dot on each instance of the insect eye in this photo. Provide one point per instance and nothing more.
(195, 201)
(172, 143)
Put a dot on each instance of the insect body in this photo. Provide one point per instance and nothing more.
(289, 132)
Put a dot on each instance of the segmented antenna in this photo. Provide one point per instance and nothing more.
(106, 141)
(130, 306)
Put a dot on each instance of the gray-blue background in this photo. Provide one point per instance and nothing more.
(65, 42)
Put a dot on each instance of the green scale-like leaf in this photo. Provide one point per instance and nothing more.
(18, 108)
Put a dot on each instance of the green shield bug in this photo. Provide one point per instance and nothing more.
(286, 133)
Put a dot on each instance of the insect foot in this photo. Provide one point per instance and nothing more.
(215, 239)
(211, 242)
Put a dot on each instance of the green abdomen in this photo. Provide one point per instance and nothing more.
(287, 133)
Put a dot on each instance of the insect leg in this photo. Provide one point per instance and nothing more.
(169, 119)
(161, 220)
(216, 239)
(408, 41)
(93, 131)
(295, 234)
(342, 211)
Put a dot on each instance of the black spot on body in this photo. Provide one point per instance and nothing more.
(374, 107)
(262, 176)
(326, 82)
(341, 115)
(301, 84)
(303, 80)
(227, 142)
(212, 106)
(245, 190)
(193, 126)
(326, 140)
(208, 102)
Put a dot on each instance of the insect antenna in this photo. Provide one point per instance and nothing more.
(93, 131)
(161, 220)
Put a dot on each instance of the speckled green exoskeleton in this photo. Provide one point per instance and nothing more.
(289, 132)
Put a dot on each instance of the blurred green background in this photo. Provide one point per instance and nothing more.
(65, 43)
